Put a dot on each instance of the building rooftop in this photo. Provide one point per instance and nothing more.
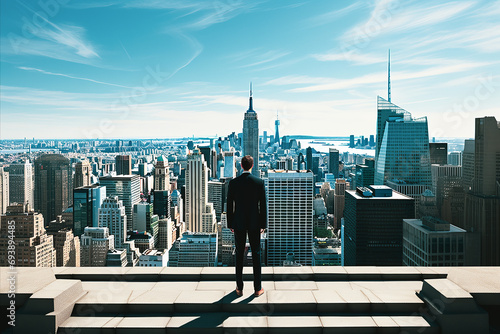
(296, 300)
(395, 196)
(419, 225)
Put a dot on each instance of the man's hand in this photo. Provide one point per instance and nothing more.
(232, 230)
(262, 230)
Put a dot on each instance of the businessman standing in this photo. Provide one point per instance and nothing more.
(247, 214)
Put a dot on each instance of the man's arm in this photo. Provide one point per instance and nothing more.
(230, 206)
(263, 207)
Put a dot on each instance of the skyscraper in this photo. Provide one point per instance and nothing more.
(34, 247)
(438, 153)
(468, 164)
(403, 151)
(83, 173)
(309, 158)
(94, 246)
(21, 183)
(482, 202)
(251, 135)
(128, 190)
(433, 242)
(290, 216)
(123, 164)
(216, 194)
(339, 202)
(277, 129)
(333, 162)
(112, 215)
(373, 226)
(200, 214)
(162, 177)
(86, 203)
(229, 164)
(4, 190)
(53, 185)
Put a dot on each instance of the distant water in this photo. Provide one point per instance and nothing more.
(342, 146)
(9, 151)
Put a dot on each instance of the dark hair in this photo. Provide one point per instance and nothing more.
(247, 162)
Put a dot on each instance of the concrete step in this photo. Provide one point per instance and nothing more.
(294, 297)
(453, 308)
(55, 301)
(237, 323)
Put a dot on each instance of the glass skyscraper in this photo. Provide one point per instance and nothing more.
(86, 203)
(402, 154)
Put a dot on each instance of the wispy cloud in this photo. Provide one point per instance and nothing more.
(266, 57)
(72, 77)
(333, 15)
(316, 84)
(358, 58)
(388, 16)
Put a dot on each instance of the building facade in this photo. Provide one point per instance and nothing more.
(53, 185)
(373, 226)
(290, 216)
(251, 136)
(21, 183)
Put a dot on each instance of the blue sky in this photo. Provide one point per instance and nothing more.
(160, 68)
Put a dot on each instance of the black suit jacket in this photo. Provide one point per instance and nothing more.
(246, 203)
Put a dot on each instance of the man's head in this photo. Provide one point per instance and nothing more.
(247, 162)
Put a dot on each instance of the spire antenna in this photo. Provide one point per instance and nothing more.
(389, 77)
(250, 106)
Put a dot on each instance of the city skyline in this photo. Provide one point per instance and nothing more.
(86, 70)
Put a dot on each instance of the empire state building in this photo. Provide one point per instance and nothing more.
(251, 135)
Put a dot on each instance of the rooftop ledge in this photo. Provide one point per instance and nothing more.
(297, 299)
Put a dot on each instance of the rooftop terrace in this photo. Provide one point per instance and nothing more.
(297, 300)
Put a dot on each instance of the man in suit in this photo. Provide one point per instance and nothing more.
(247, 214)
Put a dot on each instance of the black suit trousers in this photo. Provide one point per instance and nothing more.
(240, 241)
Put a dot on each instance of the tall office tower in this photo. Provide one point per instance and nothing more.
(83, 173)
(53, 185)
(123, 164)
(86, 203)
(365, 174)
(94, 246)
(21, 183)
(167, 233)
(482, 202)
(309, 158)
(403, 151)
(194, 250)
(373, 226)
(229, 164)
(468, 163)
(216, 197)
(34, 248)
(264, 138)
(444, 172)
(433, 242)
(161, 203)
(438, 153)
(351, 141)
(251, 135)
(339, 202)
(162, 174)
(372, 141)
(145, 220)
(200, 214)
(112, 215)
(213, 164)
(67, 246)
(333, 162)
(277, 129)
(4, 190)
(290, 216)
(455, 158)
(128, 190)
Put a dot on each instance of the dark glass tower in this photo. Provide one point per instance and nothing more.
(251, 135)
(53, 185)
